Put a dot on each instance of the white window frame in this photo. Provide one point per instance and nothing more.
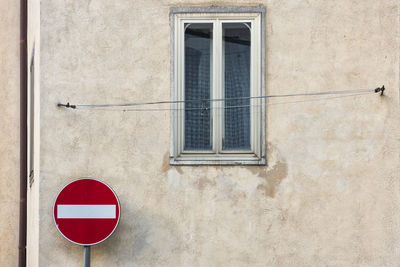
(218, 15)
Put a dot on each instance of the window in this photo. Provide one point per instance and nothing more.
(217, 80)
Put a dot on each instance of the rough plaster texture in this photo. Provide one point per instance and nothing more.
(9, 132)
(330, 193)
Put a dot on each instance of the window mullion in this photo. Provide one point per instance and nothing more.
(218, 89)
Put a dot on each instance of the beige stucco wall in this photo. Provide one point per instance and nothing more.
(9, 132)
(330, 193)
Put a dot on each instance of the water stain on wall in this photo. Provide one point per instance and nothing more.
(203, 182)
(165, 167)
(273, 179)
(271, 176)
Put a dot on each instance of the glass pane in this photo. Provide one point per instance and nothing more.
(236, 52)
(198, 71)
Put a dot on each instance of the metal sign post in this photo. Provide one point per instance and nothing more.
(86, 256)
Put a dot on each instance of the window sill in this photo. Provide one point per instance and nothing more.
(215, 160)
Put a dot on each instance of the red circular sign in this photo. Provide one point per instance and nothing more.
(86, 211)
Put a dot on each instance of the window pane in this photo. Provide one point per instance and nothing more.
(198, 70)
(236, 52)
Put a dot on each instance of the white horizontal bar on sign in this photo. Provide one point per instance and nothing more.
(86, 211)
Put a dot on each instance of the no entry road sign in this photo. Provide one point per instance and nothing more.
(86, 211)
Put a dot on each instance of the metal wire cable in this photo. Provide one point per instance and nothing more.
(88, 106)
(211, 108)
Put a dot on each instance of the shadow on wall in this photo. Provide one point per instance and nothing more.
(140, 239)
